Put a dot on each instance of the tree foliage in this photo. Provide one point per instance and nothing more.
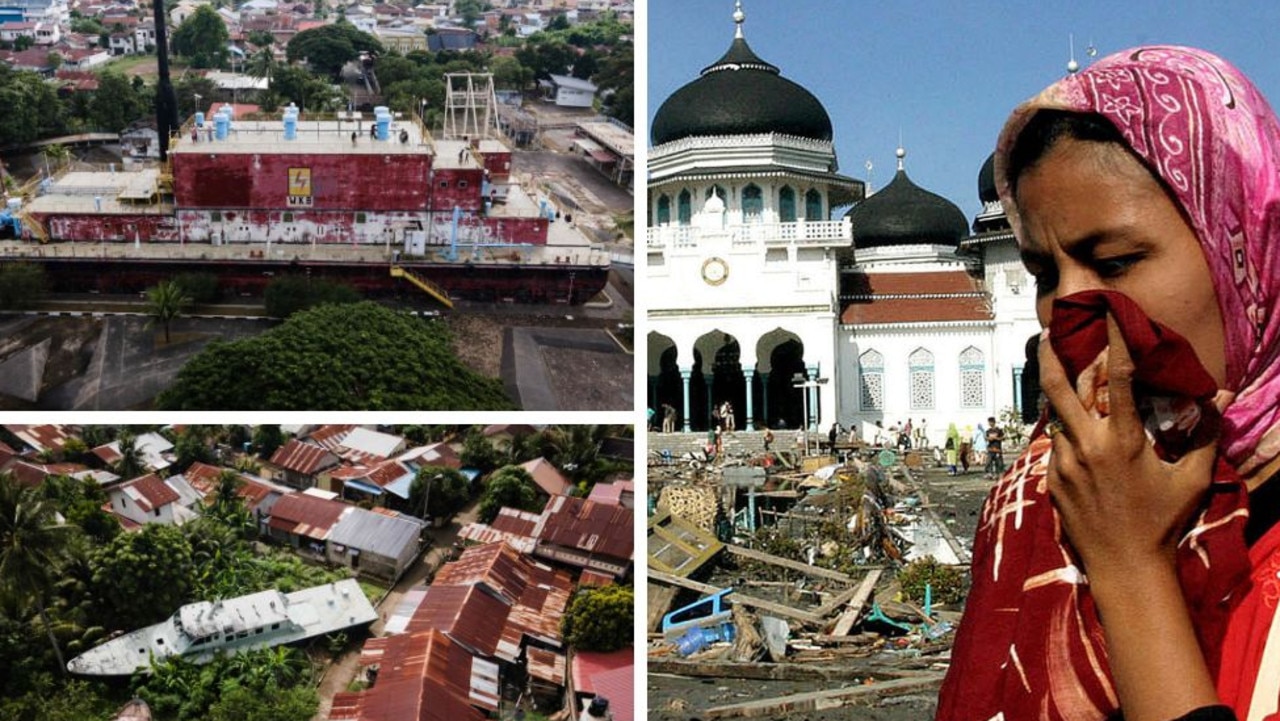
(32, 108)
(360, 356)
(511, 487)
(130, 464)
(202, 38)
(448, 492)
(142, 578)
(253, 686)
(289, 294)
(116, 103)
(192, 446)
(22, 285)
(478, 452)
(600, 619)
(329, 47)
(166, 302)
(266, 439)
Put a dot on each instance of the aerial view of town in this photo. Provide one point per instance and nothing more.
(289, 573)
(338, 205)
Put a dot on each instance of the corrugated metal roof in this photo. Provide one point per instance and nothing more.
(307, 515)
(484, 534)
(149, 492)
(375, 443)
(546, 665)
(587, 526)
(468, 614)
(423, 676)
(548, 477)
(302, 457)
(436, 454)
(330, 436)
(376, 533)
(49, 436)
(516, 521)
(611, 675)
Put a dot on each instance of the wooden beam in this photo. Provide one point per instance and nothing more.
(781, 706)
(848, 670)
(788, 563)
(850, 616)
(776, 609)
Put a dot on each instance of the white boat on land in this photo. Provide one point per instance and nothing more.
(202, 631)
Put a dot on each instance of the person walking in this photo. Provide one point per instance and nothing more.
(668, 418)
(980, 446)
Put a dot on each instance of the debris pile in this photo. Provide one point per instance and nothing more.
(801, 571)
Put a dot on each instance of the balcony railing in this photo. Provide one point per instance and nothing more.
(806, 233)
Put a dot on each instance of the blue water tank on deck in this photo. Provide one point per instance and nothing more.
(383, 122)
(221, 124)
(290, 126)
(200, 119)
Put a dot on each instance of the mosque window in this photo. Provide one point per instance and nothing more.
(752, 203)
(787, 204)
(973, 378)
(920, 363)
(664, 210)
(684, 207)
(813, 206)
(871, 373)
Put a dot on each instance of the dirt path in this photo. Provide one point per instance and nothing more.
(340, 674)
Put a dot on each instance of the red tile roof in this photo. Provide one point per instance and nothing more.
(422, 676)
(548, 477)
(596, 528)
(934, 297)
(304, 515)
(302, 457)
(149, 492)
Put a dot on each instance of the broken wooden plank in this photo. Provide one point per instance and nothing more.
(788, 563)
(777, 609)
(660, 599)
(850, 616)
(817, 700)
(849, 669)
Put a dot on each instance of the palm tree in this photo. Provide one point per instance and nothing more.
(33, 547)
(165, 302)
(261, 64)
(130, 464)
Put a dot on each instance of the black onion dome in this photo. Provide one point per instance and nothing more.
(987, 181)
(903, 213)
(740, 94)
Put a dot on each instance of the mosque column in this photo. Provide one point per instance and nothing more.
(764, 398)
(748, 374)
(709, 379)
(813, 398)
(685, 376)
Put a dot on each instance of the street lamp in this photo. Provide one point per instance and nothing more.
(800, 380)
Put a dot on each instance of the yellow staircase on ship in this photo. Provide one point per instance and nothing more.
(423, 284)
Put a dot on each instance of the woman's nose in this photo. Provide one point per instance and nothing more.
(1074, 278)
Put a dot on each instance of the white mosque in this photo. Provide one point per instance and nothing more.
(899, 309)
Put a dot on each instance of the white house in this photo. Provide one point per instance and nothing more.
(148, 499)
(571, 92)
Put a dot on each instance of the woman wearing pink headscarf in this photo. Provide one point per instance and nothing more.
(1129, 562)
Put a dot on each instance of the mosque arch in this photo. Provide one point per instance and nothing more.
(813, 205)
(752, 203)
(684, 207)
(779, 357)
(663, 215)
(786, 204)
(717, 377)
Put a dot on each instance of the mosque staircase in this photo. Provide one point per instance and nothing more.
(426, 286)
(737, 443)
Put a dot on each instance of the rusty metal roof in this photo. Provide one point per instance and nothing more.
(546, 665)
(548, 477)
(469, 614)
(51, 437)
(302, 457)
(305, 515)
(596, 528)
(149, 492)
(422, 676)
(330, 436)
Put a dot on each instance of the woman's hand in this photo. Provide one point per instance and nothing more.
(1121, 505)
(1123, 510)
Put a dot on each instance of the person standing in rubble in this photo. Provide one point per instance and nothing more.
(1126, 565)
(952, 448)
(995, 449)
(668, 418)
(980, 446)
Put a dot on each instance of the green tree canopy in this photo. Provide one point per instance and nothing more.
(142, 578)
(193, 445)
(361, 356)
(512, 487)
(32, 109)
(446, 490)
(600, 619)
(130, 464)
(546, 55)
(166, 302)
(266, 439)
(478, 452)
(329, 47)
(202, 38)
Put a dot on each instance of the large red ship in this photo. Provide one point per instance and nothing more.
(373, 201)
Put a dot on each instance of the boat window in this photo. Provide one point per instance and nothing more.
(159, 641)
(274, 626)
(257, 631)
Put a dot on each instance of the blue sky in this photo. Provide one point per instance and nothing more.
(946, 74)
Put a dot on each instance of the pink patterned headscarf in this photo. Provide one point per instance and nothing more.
(1208, 133)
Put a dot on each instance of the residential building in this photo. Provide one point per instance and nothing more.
(298, 464)
(380, 544)
(588, 535)
(147, 499)
(569, 92)
(548, 478)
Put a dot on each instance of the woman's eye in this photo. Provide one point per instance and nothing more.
(1114, 267)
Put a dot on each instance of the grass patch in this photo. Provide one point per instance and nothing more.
(372, 591)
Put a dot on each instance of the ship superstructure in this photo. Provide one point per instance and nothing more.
(201, 631)
(325, 194)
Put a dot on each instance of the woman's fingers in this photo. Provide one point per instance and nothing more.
(1059, 391)
(1120, 369)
